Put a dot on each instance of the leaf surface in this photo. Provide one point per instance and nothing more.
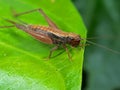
(22, 64)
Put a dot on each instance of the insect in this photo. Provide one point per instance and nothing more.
(49, 35)
(52, 34)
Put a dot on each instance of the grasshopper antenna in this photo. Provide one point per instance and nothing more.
(109, 49)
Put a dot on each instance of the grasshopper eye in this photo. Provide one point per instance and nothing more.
(74, 42)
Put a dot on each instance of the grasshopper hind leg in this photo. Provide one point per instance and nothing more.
(49, 21)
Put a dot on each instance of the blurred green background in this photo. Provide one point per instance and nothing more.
(101, 67)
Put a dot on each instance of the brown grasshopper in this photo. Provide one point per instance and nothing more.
(52, 34)
(49, 35)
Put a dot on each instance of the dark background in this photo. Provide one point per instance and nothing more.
(101, 67)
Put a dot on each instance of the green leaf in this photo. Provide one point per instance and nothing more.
(22, 64)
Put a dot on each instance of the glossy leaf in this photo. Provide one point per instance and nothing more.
(22, 58)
